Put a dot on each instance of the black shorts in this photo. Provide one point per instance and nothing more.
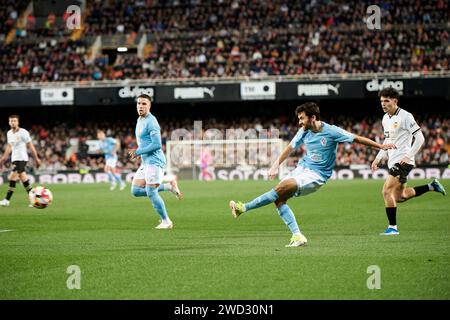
(19, 166)
(401, 171)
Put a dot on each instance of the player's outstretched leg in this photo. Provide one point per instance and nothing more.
(436, 186)
(176, 190)
(238, 208)
(172, 187)
(409, 193)
(160, 207)
(279, 195)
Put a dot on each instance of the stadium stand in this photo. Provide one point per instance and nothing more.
(228, 38)
(54, 143)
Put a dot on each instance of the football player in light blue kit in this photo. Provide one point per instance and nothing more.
(148, 178)
(109, 147)
(312, 171)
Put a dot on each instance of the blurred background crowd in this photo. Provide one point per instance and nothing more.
(225, 38)
(65, 147)
(193, 39)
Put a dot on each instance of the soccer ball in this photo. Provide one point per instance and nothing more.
(40, 197)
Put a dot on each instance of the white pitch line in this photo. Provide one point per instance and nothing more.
(6, 230)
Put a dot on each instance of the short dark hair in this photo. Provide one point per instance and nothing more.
(310, 109)
(145, 96)
(14, 116)
(389, 92)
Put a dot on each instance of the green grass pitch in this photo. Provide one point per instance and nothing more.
(210, 255)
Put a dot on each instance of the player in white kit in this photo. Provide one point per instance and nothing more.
(18, 141)
(400, 128)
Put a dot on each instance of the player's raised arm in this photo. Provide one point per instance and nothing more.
(34, 153)
(283, 156)
(6, 154)
(373, 144)
(419, 139)
(382, 154)
(116, 147)
(293, 145)
(153, 146)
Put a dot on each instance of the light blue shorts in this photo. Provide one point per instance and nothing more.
(308, 181)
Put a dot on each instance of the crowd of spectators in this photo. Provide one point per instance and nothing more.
(193, 38)
(9, 13)
(65, 147)
(223, 38)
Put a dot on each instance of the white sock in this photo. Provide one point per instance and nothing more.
(167, 220)
(168, 186)
(430, 187)
(393, 227)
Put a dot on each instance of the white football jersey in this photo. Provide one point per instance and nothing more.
(399, 130)
(18, 141)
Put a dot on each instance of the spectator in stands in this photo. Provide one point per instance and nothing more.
(227, 39)
(55, 151)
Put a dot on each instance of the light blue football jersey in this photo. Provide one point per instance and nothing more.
(148, 132)
(107, 146)
(321, 148)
